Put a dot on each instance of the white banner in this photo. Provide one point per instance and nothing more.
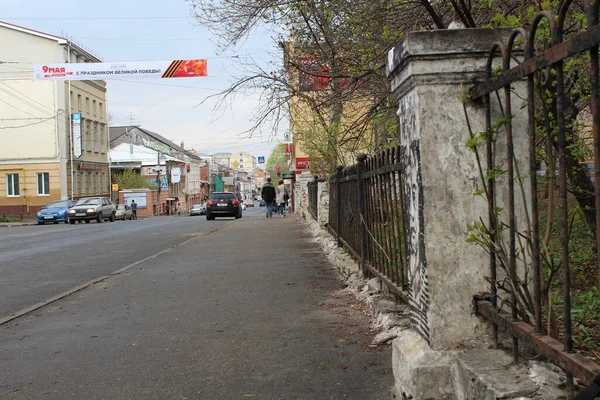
(76, 119)
(175, 175)
(120, 70)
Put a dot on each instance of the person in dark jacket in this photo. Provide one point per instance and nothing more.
(269, 194)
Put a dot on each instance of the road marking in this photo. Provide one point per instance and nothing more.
(76, 289)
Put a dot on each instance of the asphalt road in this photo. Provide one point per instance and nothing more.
(241, 309)
(39, 262)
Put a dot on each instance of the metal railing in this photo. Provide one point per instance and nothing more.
(313, 201)
(366, 215)
(516, 251)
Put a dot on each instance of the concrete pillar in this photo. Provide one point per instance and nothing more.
(323, 203)
(428, 72)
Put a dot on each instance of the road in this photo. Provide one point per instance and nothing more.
(246, 308)
(39, 262)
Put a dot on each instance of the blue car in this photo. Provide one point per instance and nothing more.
(55, 212)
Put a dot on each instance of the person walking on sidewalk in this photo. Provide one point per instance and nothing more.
(133, 207)
(281, 198)
(269, 196)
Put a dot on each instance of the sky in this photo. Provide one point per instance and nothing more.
(140, 30)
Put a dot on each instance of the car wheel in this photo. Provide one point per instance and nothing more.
(72, 221)
(40, 223)
(100, 218)
(55, 222)
(112, 217)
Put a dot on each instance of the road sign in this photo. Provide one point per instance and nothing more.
(287, 137)
(261, 159)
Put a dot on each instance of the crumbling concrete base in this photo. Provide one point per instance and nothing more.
(419, 372)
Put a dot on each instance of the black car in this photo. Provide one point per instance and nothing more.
(223, 204)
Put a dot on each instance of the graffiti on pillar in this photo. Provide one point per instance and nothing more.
(415, 225)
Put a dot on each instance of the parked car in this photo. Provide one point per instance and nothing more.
(243, 206)
(89, 208)
(249, 203)
(198, 209)
(262, 203)
(123, 212)
(55, 212)
(223, 204)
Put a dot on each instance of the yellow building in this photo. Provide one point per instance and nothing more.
(37, 160)
(309, 128)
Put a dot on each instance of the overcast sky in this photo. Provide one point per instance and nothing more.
(139, 30)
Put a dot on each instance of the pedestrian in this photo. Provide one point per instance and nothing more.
(134, 209)
(269, 196)
(178, 209)
(281, 198)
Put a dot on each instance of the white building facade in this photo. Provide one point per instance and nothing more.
(37, 164)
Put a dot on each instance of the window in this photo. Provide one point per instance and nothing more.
(43, 184)
(78, 103)
(94, 107)
(101, 110)
(90, 185)
(12, 185)
(87, 105)
(82, 183)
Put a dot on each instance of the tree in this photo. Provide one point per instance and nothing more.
(277, 157)
(128, 179)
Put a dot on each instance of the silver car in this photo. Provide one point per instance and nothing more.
(198, 209)
(124, 212)
(92, 208)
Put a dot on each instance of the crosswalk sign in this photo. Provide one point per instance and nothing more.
(261, 159)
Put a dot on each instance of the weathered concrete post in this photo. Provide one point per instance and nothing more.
(428, 72)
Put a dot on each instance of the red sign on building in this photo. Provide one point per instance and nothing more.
(288, 149)
(302, 162)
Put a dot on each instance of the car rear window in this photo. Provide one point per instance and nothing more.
(225, 196)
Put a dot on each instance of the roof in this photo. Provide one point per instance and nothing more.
(115, 132)
(60, 40)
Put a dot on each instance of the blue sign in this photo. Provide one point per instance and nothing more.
(261, 159)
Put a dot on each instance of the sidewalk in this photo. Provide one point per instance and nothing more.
(250, 311)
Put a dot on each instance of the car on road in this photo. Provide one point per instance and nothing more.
(123, 212)
(198, 209)
(223, 204)
(55, 212)
(262, 203)
(92, 208)
(249, 203)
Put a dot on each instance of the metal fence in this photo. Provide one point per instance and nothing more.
(545, 73)
(313, 201)
(366, 215)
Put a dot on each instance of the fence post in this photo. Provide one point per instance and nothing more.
(338, 200)
(360, 167)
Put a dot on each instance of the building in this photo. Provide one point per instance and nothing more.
(243, 162)
(175, 176)
(38, 161)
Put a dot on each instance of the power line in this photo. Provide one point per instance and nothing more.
(88, 18)
(23, 126)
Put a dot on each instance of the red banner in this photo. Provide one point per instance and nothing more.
(288, 149)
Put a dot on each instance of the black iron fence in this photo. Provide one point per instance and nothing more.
(313, 200)
(522, 263)
(366, 215)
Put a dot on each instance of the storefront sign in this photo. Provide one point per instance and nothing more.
(120, 70)
(302, 162)
(140, 199)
